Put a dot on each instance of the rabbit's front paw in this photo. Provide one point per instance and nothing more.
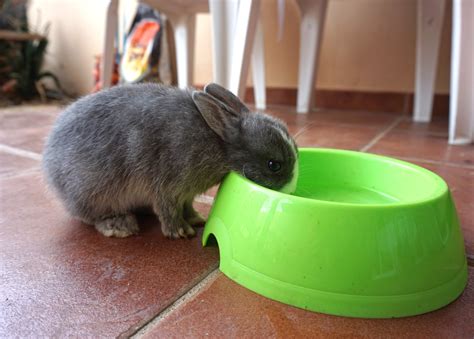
(176, 231)
(173, 224)
(119, 226)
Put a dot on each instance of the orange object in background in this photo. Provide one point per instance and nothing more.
(135, 63)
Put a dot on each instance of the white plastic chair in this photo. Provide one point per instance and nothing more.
(234, 30)
(429, 26)
(313, 15)
(430, 15)
(238, 34)
(182, 15)
(461, 122)
(430, 19)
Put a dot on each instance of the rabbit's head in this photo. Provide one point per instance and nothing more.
(257, 145)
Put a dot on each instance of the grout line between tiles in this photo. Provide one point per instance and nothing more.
(211, 277)
(427, 133)
(30, 171)
(436, 162)
(380, 135)
(291, 109)
(20, 152)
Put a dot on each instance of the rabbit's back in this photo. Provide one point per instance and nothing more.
(114, 143)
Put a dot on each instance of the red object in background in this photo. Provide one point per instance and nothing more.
(97, 73)
(136, 62)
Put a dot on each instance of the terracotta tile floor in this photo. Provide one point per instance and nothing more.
(60, 278)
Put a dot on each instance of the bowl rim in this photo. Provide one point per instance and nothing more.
(442, 190)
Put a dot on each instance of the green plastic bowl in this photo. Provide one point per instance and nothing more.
(363, 236)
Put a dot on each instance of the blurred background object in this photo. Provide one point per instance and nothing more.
(368, 47)
(142, 47)
(21, 57)
(372, 54)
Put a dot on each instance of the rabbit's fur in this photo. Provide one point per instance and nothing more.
(148, 145)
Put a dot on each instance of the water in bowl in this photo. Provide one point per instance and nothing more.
(346, 194)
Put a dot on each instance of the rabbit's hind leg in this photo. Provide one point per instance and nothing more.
(119, 226)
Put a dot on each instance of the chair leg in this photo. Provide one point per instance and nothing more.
(224, 17)
(108, 53)
(461, 124)
(313, 14)
(243, 42)
(184, 29)
(258, 68)
(429, 24)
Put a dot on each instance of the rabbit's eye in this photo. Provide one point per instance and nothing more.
(274, 166)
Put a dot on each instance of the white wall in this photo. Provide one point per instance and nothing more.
(77, 28)
(368, 45)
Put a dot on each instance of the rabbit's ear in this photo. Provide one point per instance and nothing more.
(223, 120)
(227, 97)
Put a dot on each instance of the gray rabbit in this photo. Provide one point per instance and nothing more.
(148, 145)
